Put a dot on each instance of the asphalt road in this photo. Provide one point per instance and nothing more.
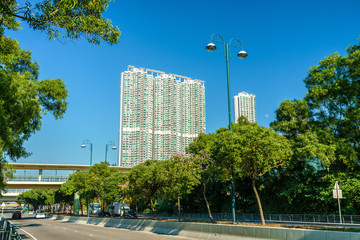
(47, 229)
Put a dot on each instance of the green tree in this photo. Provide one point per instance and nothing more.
(64, 199)
(67, 18)
(146, 181)
(250, 150)
(313, 150)
(24, 99)
(98, 174)
(200, 166)
(180, 181)
(308, 143)
(38, 197)
(334, 104)
(111, 187)
(323, 130)
(77, 182)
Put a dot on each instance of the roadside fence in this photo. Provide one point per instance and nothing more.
(7, 230)
(253, 217)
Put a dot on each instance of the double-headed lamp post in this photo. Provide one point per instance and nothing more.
(217, 38)
(109, 144)
(87, 142)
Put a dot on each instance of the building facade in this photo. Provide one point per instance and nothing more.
(245, 105)
(160, 114)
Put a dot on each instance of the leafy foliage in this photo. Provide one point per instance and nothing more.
(24, 99)
(251, 151)
(323, 130)
(334, 102)
(199, 168)
(146, 181)
(68, 18)
(38, 197)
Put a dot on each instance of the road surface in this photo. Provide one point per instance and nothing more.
(47, 229)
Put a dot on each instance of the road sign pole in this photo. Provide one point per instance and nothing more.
(2, 209)
(337, 193)
(337, 190)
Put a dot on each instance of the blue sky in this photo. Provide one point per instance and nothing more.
(283, 39)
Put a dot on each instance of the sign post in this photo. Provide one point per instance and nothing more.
(337, 193)
(2, 209)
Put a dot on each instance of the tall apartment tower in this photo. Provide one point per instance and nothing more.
(160, 114)
(245, 105)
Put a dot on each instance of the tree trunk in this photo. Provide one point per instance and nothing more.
(136, 207)
(207, 203)
(179, 209)
(81, 207)
(152, 207)
(259, 203)
(103, 207)
(123, 203)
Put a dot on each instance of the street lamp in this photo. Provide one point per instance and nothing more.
(217, 38)
(87, 142)
(109, 144)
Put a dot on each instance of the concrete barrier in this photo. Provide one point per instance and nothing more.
(212, 231)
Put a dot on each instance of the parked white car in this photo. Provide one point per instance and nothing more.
(40, 213)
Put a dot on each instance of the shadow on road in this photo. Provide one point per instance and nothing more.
(23, 236)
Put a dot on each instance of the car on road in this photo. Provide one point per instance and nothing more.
(40, 213)
(16, 215)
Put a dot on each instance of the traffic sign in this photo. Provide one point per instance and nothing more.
(336, 193)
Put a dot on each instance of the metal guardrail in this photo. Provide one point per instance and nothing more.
(35, 178)
(250, 217)
(7, 230)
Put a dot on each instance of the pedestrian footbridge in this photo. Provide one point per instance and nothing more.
(41, 181)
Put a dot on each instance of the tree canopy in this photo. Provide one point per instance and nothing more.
(328, 116)
(67, 18)
(250, 151)
(323, 129)
(24, 98)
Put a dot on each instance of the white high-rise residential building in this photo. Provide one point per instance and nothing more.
(160, 114)
(245, 105)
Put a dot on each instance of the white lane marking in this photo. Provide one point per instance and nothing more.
(17, 227)
(76, 231)
(91, 235)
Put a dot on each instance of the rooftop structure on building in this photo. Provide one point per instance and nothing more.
(245, 105)
(160, 114)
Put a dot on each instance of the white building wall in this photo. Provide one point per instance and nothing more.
(160, 114)
(245, 105)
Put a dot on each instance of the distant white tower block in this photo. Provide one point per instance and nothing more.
(160, 114)
(245, 105)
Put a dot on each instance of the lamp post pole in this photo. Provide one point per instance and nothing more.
(228, 82)
(87, 142)
(242, 54)
(112, 144)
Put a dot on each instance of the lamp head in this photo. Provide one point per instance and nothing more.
(83, 146)
(242, 54)
(210, 47)
(113, 148)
